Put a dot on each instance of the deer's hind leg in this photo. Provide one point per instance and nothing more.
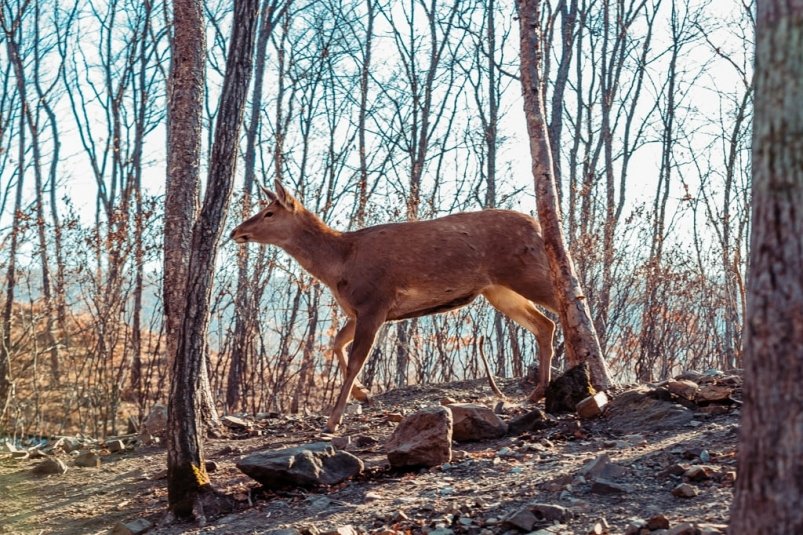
(343, 338)
(524, 312)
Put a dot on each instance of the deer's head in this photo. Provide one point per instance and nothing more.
(275, 222)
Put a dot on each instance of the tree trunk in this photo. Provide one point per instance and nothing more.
(769, 489)
(581, 339)
(187, 477)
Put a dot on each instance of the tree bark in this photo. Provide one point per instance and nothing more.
(769, 489)
(582, 344)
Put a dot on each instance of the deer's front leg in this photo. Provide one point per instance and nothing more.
(366, 326)
(342, 339)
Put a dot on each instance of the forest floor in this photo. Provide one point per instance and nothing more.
(485, 483)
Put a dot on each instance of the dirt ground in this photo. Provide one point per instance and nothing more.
(484, 484)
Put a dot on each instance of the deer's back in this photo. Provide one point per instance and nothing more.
(444, 260)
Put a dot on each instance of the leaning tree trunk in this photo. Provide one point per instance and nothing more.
(582, 344)
(188, 481)
(769, 489)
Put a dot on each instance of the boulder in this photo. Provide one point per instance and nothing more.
(304, 466)
(564, 393)
(422, 439)
(683, 388)
(49, 467)
(472, 421)
(637, 411)
(88, 459)
(592, 406)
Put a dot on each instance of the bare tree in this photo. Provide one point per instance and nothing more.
(188, 482)
(581, 339)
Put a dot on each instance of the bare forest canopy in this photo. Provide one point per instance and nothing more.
(370, 111)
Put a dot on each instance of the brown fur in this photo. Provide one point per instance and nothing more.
(405, 270)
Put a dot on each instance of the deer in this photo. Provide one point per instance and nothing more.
(405, 270)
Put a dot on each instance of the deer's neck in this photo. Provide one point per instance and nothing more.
(318, 248)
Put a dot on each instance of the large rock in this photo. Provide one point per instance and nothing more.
(304, 466)
(472, 421)
(564, 393)
(422, 439)
(638, 411)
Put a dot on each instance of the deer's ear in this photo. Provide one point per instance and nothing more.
(268, 193)
(284, 198)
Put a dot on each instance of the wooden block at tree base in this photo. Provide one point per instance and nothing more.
(592, 406)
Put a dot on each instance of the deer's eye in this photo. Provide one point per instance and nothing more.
(268, 214)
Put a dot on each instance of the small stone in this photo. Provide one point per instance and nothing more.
(472, 421)
(603, 486)
(658, 522)
(134, 527)
(353, 409)
(88, 459)
(600, 527)
(684, 490)
(711, 529)
(522, 519)
(602, 467)
(115, 446)
(535, 420)
(448, 401)
(422, 439)
(698, 473)
(684, 388)
(211, 466)
(682, 529)
(592, 406)
(713, 393)
(395, 417)
(234, 422)
(341, 443)
(50, 467)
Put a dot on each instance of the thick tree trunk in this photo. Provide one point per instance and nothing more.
(187, 478)
(769, 489)
(582, 344)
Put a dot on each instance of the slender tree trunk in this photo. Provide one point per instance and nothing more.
(582, 344)
(365, 70)
(769, 489)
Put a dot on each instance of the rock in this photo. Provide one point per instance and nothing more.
(713, 393)
(472, 421)
(283, 531)
(592, 406)
(711, 529)
(395, 417)
(422, 439)
(714, 410)
(683, 388)
(602, 467)
(535, 420)
(502, 407)
(134, 527)
(658, 522)
(88, 459)
(604, 486)
(155, 424)
(341, 530)
(115, 446)
(600, 527)
(682, 529)
(537, 515)
(698, 473)
(341, 443)
(305, 466)
(234, 422)
(564, 393)
(353, 409)
(448, 401)
(684, 490)
(637, 411)
(673, 470)
(211, 466)
(49, 467)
